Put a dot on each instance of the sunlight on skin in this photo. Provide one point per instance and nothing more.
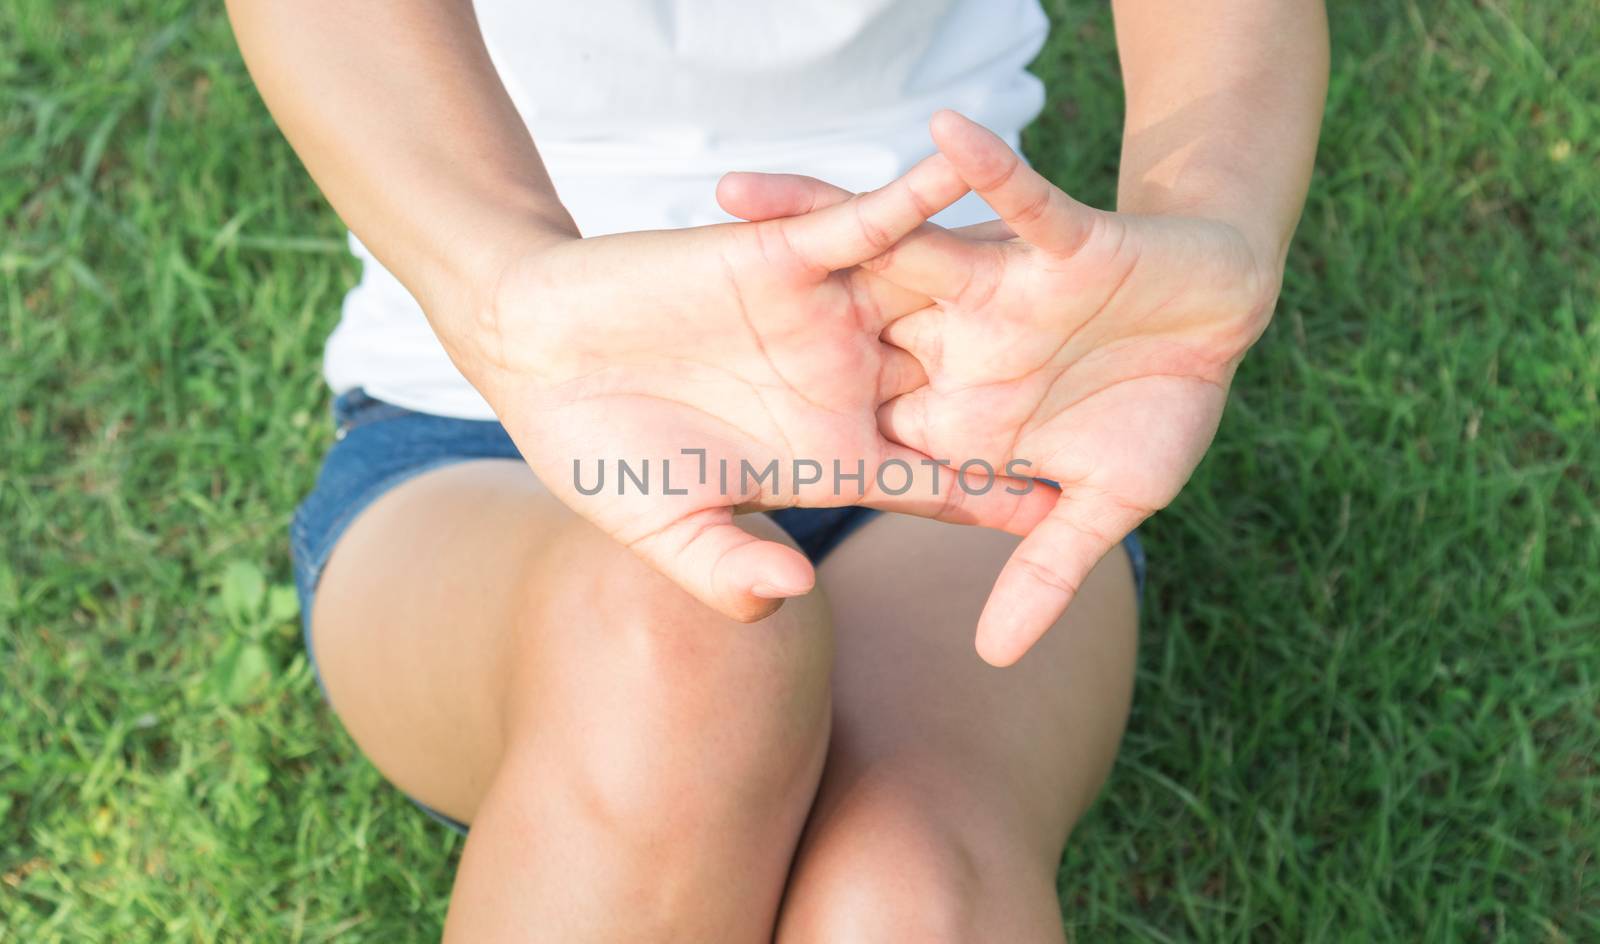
(1098, 346)
(745, 340)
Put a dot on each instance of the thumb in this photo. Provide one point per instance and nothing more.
(927, 259)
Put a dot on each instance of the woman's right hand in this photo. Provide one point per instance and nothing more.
(752, 341)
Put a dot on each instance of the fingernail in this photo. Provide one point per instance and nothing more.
(767, 591)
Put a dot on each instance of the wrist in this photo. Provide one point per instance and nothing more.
(467, 303)
(1266, 237)
(1259, 242)
(485, 245)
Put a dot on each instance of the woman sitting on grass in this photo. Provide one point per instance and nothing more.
(526, 591)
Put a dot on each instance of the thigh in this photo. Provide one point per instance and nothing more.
(411, 625)
(909, 688)
(950, 785)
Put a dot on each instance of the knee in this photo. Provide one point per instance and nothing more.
(683, 721)
(903, 876)
(720, 716)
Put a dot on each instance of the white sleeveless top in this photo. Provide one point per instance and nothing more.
(639, 106)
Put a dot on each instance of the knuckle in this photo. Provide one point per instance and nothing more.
(1035, 208)
(953, 505)
(1047, 575)
(873, 234)
(1005, 174)
(776, 244)
(883, 261)
(984, 280)
(920, 203)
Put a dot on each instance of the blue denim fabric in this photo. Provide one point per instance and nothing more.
(380, 445)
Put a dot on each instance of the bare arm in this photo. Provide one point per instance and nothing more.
(398, 114)
(1099, 347)
(633, 344)
(1224, 102)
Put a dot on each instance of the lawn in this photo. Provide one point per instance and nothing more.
(1367, 705)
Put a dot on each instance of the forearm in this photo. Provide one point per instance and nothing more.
(1224, 102)
(396, 110)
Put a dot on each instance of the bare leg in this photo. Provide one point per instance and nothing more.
(634, 766)
(951, 786)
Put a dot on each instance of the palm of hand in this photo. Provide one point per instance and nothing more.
(749, 361)
(1096, 347)
(1106, 369)
(743, 340)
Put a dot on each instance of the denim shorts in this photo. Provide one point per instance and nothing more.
(379, 445)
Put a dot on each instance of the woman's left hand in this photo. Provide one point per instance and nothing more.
(1098, 347)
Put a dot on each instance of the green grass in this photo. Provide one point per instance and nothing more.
(1367, 705)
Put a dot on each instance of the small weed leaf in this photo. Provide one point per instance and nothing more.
(243, 589)
(241, 671)
(283, 604)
